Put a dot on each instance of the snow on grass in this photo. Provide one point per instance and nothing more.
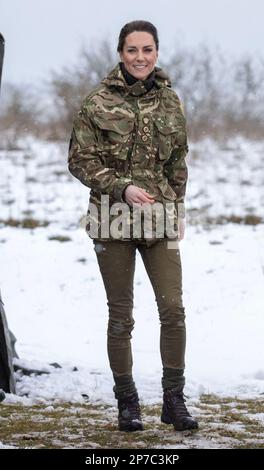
(54, 296)
(92, 426)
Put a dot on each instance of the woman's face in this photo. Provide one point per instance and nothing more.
(139, 54)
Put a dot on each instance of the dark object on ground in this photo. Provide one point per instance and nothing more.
(2, 50)
(26, 370)
(9, 360)
(2, 395)
(7, 353)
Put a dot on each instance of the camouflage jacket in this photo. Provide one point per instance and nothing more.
(127, 135)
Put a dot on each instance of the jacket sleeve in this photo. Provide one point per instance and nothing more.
(86, 163)
(175, 169)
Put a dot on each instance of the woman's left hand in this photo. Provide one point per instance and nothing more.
(181, 229)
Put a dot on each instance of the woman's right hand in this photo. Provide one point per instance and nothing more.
(137, 196)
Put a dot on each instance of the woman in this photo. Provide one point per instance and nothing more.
(129, 145)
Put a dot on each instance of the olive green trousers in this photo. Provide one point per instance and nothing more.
(116, 261)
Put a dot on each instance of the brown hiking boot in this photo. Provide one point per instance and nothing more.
(174, 411)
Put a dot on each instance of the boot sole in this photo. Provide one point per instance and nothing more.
(131, 429)
(166, 420)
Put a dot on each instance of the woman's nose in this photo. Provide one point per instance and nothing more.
(140, 56)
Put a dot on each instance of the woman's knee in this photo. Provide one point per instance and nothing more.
(121, 328)
(172, 314)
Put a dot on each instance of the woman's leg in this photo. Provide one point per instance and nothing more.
(116, 261)
(117, 265)
(164, 269)
(163, 266)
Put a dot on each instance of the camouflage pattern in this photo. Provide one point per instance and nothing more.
(127, 135)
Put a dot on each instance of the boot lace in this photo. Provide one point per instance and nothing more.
(177, 401)
(130, 408)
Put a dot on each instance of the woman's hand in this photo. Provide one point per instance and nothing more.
(181, 228)
(137, 196)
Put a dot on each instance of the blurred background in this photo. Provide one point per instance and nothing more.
(56, 51)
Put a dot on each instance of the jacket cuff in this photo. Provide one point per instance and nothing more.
(119, 188)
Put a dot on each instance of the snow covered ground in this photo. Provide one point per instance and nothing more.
(54, 297)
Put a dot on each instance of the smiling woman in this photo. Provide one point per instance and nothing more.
(129, 145)
(139, 59)
(138, 50)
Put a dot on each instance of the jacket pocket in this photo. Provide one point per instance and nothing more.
(166, 191)
(114, 135)
(170, 131)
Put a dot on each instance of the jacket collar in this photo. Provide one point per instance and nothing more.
(116, 79)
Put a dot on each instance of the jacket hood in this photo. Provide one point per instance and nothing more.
(116, 79)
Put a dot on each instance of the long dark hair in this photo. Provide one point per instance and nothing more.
(128, 28)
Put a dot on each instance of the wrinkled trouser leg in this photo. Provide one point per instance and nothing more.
(164, 269)
(116, 261)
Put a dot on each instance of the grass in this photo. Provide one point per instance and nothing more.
(199, 216)
(27, 222)
(224, 423)
(60, 238)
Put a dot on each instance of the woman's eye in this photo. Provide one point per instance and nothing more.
(133, 50)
